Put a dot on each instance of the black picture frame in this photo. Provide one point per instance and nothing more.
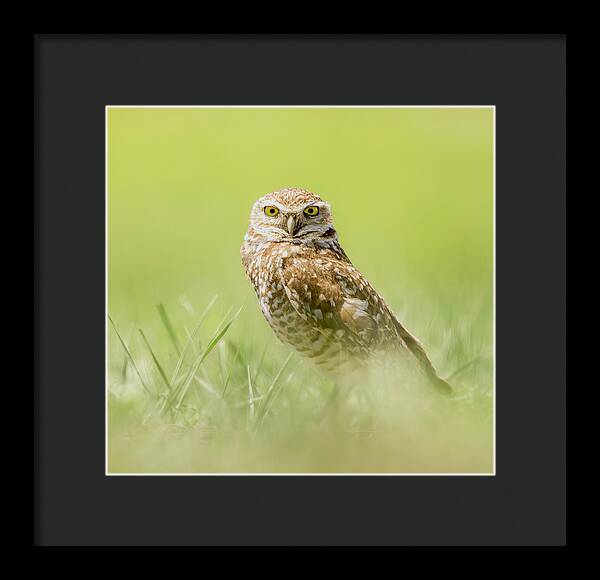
(523, 76)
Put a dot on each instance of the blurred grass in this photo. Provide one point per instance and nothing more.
(411, 191)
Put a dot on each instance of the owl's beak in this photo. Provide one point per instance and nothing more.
(292, 225)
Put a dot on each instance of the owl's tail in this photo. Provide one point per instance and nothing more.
(419, 353)
(442, 385)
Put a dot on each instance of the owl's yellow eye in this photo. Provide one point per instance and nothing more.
(311, 210)
(271, 210)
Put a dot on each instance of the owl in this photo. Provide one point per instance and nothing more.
(312, 296)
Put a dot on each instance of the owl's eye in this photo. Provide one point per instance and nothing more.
(271, 210)
(311, 210)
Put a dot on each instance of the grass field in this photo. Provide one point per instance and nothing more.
(197, 382)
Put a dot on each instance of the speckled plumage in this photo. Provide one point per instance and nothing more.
(310, 293)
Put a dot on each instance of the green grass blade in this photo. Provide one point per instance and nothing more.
(158, 365)
(260, 363)
(124, 369)
(207, 386)
(270, 392)
(230, 371)
(164, 317)
(211, 345)
(222, 352)
(464, 367)
(250, 398)
(191, 339)
(137, 371)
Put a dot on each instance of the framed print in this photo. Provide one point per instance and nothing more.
(298, 271)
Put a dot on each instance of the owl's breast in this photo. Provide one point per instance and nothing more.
(265, 272)
(322, 346)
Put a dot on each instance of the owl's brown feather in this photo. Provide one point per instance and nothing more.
(332, 295)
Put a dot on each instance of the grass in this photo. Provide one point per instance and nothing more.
(222, 404)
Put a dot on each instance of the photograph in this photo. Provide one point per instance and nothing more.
(300, 290)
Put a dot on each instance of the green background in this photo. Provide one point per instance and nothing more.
(412, 196)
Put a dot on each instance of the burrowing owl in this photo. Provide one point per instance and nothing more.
(311, 294)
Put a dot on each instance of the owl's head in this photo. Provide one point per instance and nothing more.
(294, 215)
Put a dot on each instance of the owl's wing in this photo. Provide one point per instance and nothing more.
(335, 298)
(338, 300)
